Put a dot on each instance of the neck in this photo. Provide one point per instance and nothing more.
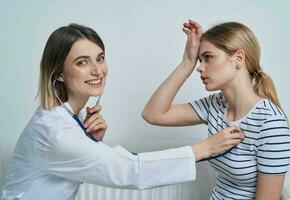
(240, 98)
(77, 103)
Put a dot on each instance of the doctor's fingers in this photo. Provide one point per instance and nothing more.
(234, 142)
(90, 119)
(96, 125)
(233, 133)
(99, 134)
(93, 109)
(236, 135)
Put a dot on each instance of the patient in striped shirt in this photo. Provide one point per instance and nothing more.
(229, 62)
(264, 150)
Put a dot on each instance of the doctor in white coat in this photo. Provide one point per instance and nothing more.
(58, 149)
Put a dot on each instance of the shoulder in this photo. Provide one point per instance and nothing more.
(45, 124)
(212, 98)
(48, 119)
(273, 115)
(275, 123)
(269, 109)
(216, 100)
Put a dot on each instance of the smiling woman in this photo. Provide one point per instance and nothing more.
(78, 55)
(84, 72)
(53, 156)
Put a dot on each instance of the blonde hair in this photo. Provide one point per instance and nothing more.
(55, 52)
(233, 36)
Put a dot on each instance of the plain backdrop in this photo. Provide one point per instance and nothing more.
(144, 42)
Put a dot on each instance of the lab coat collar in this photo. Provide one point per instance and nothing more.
(65, 114)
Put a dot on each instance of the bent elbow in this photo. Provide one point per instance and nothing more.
(144, 115)
(148, 117)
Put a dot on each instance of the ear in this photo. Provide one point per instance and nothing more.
(60, 78)
(239, 58)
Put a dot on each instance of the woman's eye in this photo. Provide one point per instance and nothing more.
(207, 58)
(101, 59)
(82, 62)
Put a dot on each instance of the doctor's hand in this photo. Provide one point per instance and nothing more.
(218, 143)
(193, 31)
(94, 122)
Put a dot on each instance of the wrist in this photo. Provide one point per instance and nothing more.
(188, 63)
(201, 150)
(187, 67)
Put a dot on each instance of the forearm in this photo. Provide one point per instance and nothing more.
(162, 98)
(200, 151)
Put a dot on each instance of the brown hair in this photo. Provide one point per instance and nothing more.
(55, 52)
(233, 36)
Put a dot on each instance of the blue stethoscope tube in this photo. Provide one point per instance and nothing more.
(74, 116)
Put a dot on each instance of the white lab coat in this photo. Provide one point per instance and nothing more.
(53, 157)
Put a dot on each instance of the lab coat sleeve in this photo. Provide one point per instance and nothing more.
(74, 156)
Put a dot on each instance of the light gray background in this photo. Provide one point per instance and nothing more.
(144, 42)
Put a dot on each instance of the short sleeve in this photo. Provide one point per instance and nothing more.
(202, 107)
(273, 146)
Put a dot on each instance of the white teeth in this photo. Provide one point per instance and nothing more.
(94, 82)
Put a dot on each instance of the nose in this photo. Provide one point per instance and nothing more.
(200, 68)
(96, 69)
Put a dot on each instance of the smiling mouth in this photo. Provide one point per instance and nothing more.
(94, 82)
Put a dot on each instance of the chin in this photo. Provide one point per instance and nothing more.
(97, 94)
(210, 88)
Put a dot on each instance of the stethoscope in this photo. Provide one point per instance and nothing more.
(75, 116)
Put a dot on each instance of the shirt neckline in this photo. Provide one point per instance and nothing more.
(238, 121)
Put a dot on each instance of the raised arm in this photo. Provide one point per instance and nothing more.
(159, 109)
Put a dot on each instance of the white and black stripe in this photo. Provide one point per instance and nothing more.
(265, 149)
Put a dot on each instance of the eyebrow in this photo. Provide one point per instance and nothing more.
(83, 56)
(204, 54)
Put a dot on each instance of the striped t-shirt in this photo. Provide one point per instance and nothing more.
(265, 148)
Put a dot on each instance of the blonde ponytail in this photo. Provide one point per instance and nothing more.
(264, 87)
